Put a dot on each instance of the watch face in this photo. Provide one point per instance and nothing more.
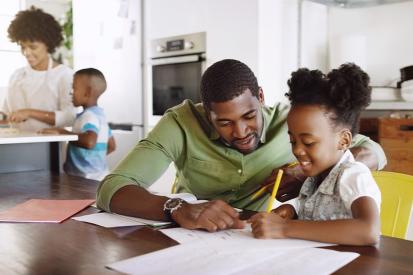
(172, 203)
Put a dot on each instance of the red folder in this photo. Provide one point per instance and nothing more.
(37, 210)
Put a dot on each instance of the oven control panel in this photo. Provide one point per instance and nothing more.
(179, 45)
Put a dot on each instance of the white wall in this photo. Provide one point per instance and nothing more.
(277, 47)
(388, 35)
(314, 36)
(110, 41)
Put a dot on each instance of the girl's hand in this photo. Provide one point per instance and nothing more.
(285, 211)
(268, 225)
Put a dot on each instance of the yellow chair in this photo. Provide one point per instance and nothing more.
(397, 197)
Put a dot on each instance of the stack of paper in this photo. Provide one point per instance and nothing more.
(110, 220)
(235, 257)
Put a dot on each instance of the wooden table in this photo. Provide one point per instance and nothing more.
(78, 248)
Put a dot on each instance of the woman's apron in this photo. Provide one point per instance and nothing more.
(38, 95)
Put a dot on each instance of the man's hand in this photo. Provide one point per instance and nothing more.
(291, 182)
(211, 216)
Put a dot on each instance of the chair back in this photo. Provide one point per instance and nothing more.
(396, 206)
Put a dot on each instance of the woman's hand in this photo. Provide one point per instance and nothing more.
(268, 226)
(19, 115)
(54, 131)
(3, 118)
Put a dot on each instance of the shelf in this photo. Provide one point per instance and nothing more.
(390, 105)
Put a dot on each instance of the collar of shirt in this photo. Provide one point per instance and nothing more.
(328, 184)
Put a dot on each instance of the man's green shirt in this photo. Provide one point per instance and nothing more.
(205, 166)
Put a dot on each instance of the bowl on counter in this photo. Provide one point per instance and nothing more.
(407, 90)
(379, 93)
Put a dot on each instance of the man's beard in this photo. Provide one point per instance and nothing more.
(256, 138)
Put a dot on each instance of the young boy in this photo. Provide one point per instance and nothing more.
(86, 157)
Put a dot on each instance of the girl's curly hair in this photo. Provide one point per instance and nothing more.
(344, 92)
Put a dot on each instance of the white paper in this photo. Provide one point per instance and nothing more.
(301, 261)
(235, 258)
(182, 235)
(110, 220)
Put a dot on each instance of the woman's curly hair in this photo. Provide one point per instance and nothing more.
(344, 92)
(36, 25)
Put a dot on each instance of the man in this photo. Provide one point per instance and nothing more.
(223, 150)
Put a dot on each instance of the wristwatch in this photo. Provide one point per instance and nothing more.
(172, 205)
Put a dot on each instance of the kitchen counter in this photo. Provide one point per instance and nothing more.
(390, 105)
(34, 138)
(26, 151)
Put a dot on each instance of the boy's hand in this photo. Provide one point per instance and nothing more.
(285, 211)
(268, 226)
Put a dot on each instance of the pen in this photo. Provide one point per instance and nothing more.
(274, 190)
(262, 189)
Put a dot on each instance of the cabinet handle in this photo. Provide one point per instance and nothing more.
(406, 128)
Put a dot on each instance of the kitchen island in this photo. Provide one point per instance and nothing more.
(25, 151)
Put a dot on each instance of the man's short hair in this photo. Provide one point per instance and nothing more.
(225, 80)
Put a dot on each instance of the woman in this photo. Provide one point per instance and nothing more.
(39, 94)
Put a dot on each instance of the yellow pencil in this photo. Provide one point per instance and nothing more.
(274, 190)
(258, 193)
(262, 189)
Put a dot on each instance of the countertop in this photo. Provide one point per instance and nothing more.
(28, 137)
(390, 105)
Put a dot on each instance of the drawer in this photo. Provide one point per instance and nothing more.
(399, 156)
(400, 129)
(402, 144)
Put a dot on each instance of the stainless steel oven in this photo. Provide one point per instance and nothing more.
(177, 65)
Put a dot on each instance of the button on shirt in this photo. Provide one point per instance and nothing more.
(346, 182)
(205, 166)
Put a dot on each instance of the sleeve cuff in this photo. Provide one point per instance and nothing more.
(108, 187)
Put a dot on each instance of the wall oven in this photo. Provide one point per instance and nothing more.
(177, 64)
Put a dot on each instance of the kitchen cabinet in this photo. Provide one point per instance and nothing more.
(396, 138)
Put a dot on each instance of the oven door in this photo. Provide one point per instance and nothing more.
(175, 79)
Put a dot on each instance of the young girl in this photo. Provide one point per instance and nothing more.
(339, 202)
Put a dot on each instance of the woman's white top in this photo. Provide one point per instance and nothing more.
(48, 90)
